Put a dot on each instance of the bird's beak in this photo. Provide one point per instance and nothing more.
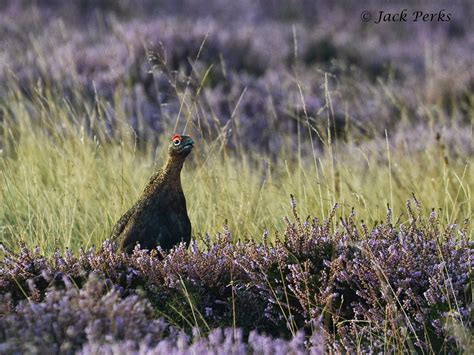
(188, 145)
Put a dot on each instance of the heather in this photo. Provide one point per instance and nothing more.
(287, 101)
(328, 287)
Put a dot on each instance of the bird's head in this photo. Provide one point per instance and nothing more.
(180, 146)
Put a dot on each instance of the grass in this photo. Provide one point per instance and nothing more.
(62, 187)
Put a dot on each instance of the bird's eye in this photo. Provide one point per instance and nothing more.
(177, 142)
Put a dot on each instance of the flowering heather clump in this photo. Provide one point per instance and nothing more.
(66, 319)
(340, 287)
(95, 320)
(219, 341)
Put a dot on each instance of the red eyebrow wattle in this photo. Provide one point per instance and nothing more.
(176, 136)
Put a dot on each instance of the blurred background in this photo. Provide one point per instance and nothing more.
(268, 63)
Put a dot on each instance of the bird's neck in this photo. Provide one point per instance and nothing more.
(171, 171)
(168, 176)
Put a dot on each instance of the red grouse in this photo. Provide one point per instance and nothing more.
(159, 217)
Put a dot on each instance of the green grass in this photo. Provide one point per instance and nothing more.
(61, 187)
